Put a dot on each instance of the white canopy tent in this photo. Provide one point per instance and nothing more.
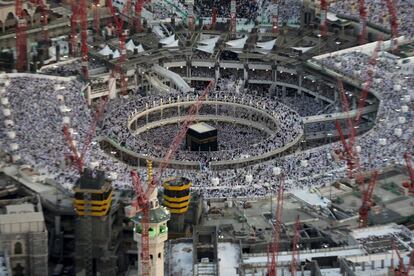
(209, 41)
(238, 43)
(172, 45)
(106, 51)
(140, 48)
(116, 54)
(168, 40)
(130, 45)
(302, 49)
(267, 45)
(207, 48)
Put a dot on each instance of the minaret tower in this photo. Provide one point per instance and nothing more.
(157, 231)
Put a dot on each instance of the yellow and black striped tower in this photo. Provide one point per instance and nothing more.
(177, 200)
(93, 225)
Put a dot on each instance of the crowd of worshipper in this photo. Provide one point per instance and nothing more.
(379, 14)
(37, 113)
(70, 68)
(203, 72)
(229, 135)
(289, 12)
(287, 129)
(244, 9)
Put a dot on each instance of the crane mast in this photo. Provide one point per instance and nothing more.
(275, 245)
(394, 23)
(138, 12)
(233, 17)
(323, 15)
(275, 16)
(409, 184)
(21, 37)
(295, 248)
(362, 22)
(367, 193)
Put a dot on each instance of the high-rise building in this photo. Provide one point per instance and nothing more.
(23, 237)
(97, 227)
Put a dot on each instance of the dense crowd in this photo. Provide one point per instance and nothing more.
(379, 14)
(288, 126)
(244, 8)
(229, 135)
(38, 108)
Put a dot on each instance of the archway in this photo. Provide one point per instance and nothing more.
(10, 21)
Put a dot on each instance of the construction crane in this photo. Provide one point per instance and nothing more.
(409, 184)
(233, 17)
(401, 269)
(367, 193)
(138, 12)
(394, 23)
(275, 16)
(275, 245)
(142, 201)
(78, 158)
(21, 37)
(349, 152)
(323, 15)
(74, 28)
(43, 17)
(96, 17)
(191, 18)
(213, 18)
(121, 37)
(83, 13)
(295, 248)
(362, 22)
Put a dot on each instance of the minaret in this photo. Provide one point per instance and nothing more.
(157, 230)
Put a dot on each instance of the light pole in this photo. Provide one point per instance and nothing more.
(319, 47)
(337, 45)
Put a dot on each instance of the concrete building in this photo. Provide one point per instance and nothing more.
(23, 236)
(98, 227)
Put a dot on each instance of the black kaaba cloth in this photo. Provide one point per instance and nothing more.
(201, 137)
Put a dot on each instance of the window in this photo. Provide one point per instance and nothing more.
(159, 255)
(18, 248)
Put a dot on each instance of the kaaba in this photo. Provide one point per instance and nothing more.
(201, 137)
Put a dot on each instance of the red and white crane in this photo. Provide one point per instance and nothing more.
(323, 15)
(83, 13)
(143, 197)
(74, 28)
(401, 269)
(213, 18)
(275, 16)
(362, 22)
(96, 16)
(233, 17)
(21, 37)
(367, 193)
(191, 17)
(394, 23)
(295, 248)
(350, 153)
(138, 12)
(78, 157)
(275, 245)
(409, 184)
(119, 24)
